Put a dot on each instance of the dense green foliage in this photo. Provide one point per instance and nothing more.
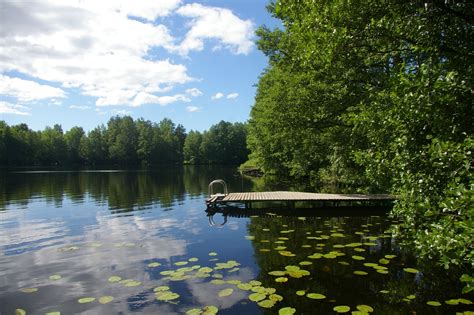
(123, 141)
(375, 95)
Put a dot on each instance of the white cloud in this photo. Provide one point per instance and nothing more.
(146, 98)
(218, 24)
(9, 108)
(194, 92)
(217, 96)
(232, 95)
(193, 109)
(90, 45)
(80, 107)
(122, 112)
(25, 90)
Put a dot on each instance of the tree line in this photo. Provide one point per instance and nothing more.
(123, 141)
(376, 96)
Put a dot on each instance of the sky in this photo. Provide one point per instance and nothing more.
(80, 62)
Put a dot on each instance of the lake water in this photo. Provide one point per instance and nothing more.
(119, 242)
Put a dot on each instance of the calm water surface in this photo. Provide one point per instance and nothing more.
(140, 241)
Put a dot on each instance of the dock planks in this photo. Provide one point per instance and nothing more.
(300, 196)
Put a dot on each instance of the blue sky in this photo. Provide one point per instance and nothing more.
(79, 62)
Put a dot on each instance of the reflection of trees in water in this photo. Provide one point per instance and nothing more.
(122, 191)
(336, 280)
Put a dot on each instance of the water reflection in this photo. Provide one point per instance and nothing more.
(149, 230)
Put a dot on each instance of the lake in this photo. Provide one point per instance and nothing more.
(119, 242)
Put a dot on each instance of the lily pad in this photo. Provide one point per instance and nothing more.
(390, 256)
(166, 296)
(355, 257)
(360, 273)
(255, 297)
(250, 237)
(181, 263)
(277, 273)
(300, 292)
(209, 310)
(452, 302)
(29, 290)
(433, 303)
(255, 282)
(410, 270)
(20, 311)
(266, 303)
(287, 311)
(154, 264)
(315, 296)
(212, 254)
(161, 288)
(276, 297)
(384, 261)
(341, 309)
(286, 253)
(281, 279)
(365, 308)
(86, 300)
(225, 292)
(114, 279)
(130, 283)
(194, 311)
(53, 313)
(305, 263)
(106, 299)
(55, 277)
(292, 268)
(244, 286)
(193, 259)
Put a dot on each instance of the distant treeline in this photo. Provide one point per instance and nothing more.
(122, 141)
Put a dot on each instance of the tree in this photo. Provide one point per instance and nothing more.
(192, 147)
(122, 139)
(73, 140)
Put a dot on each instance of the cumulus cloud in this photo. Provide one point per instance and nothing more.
(9, 108)
(194, 92)
(217, 96)
(80, 107)
(91, 45)
(25, 90)
(232, 95)
(193, 109)
(215, 23)
(146, 98)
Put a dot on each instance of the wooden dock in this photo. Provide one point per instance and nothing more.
(290, 198)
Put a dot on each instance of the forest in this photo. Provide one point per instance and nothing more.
(123, 141)
(375, 97)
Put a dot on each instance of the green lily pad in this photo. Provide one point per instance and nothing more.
(281, 279)
(305, 263)
(341, 309)
(266, 303)
(277, 273)
(315, 296)
(381, 271)
(154, 264)
(287, 311)
(161, 288)
(355, 257)
(114, 279)
(255, 297)
(166, 296)
(53, 313)
(181, 263)
(384, 261)
(390, 256)
(410, 270)
(106, 299)
(255, 282)
(292, 268)
(433, 303)
(225, 292)
(344, 263)
(275, 297)
(130, 283)
(300, 292)
(384, 291)
(370, 264)
(244, 286)
(193, 259)
(250, 237)
(264, 250)
(55, 277)
(452, 302)
(86, 300)
(286, 253)
(360, 273)
(29, 290)
(365, 308)
(212, 254)
(234, 281)
(194, 311)
(218, 281)
(465, 301)
(357, 249)
(209, 310)
(205, 270)
(20, 311)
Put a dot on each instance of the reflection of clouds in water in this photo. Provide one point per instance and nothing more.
(207, 293)
(18, 232)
